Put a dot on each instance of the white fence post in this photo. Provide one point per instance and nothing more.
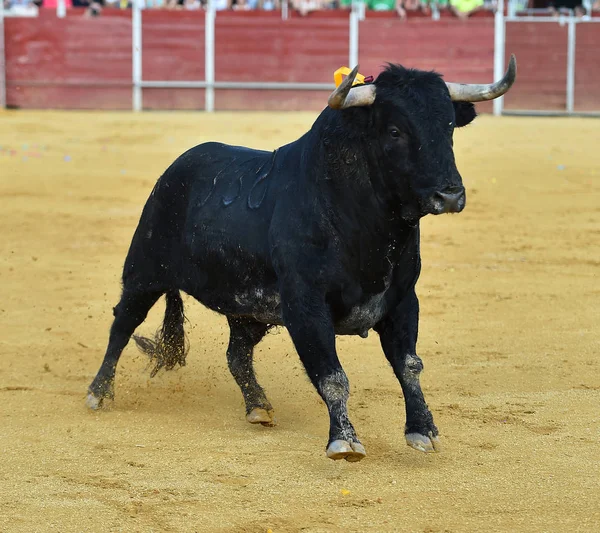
(353, 40)
(136, 30)
(61, 9)
(499, 45)
(2, 59)
(571, 65)
(512, 8)
(285, 8)
(209, 57)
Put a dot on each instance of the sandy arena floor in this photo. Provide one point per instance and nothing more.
(510, 313)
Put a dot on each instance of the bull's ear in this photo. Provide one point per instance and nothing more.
(464, 113)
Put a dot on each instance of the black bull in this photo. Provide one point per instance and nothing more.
(320, 236)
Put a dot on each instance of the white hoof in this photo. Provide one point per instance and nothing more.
(92, 402)
(422, 443)
(349, 450)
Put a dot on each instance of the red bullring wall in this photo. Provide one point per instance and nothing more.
(85, 63)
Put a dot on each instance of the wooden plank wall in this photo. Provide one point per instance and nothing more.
(85, 63)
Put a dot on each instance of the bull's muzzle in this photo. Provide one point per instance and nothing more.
(450, 200)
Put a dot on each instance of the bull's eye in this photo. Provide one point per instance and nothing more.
(395, 133)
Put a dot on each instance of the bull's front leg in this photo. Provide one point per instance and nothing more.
(308, 319)
(398, 335)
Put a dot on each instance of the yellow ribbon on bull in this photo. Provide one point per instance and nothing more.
(344, 71)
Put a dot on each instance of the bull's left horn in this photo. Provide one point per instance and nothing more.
(460, 92)
(346, 96)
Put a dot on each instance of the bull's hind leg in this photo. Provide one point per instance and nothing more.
(129, 314)
(245, 334)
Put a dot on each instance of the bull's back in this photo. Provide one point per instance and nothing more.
(205, 228)
(229, 200)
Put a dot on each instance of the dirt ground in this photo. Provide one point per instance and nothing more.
(510, 309)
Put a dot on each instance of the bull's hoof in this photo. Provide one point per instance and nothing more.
(258, 415)
(98, 401)
(422, 443)
(349, 450)
(94, 402)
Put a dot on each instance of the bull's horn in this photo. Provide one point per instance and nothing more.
(460, 92)
(346, 96)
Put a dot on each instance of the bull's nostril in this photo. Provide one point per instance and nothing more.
(453, 199)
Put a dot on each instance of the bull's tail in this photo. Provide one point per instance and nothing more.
(169, 346)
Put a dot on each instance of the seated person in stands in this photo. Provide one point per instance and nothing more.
(20, 5)
(304, 7)
(94, 7)
(126, 4)
(463, 9)
(567, 6)
(440, 4)
(155, 4)
(424, 5)
(399, 6)
(51, 4)
(218, 5)
(249, 5)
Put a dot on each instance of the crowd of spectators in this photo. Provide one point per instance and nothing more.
(460, 8)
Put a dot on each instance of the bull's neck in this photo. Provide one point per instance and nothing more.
(350, 184)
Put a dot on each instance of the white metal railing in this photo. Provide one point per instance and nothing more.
(61, 9)
(499, 49)
(353, 38)
(209, 57)
(136, 53)
(571, 35)
(209, 83)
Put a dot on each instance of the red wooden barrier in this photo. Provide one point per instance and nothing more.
(587, 67)
(69, 63)
(173, 50)
(79, 62)
(463, 51)
(262, 47)
(541, 49)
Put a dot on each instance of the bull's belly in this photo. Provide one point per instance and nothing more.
(261, 304)
(264, 305)
(362, 317)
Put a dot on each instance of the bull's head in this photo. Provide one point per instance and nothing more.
(411, 119)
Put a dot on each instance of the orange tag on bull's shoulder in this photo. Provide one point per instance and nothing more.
(339, 74)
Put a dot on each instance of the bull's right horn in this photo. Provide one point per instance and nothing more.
(346, 96)
(463, 92)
